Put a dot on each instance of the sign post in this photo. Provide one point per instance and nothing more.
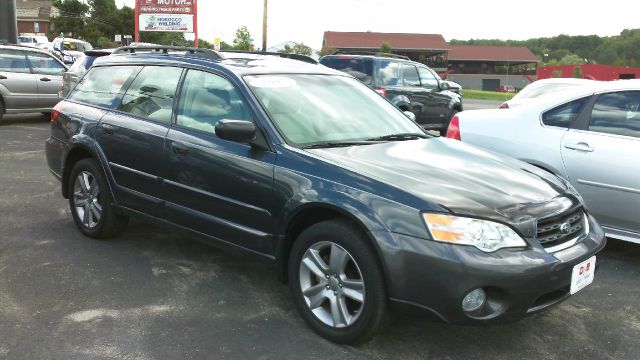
(166, 15)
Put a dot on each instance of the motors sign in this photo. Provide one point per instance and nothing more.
(167, 15)
(165, 6)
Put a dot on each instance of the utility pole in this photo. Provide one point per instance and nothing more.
(264, 27)
(9, 22)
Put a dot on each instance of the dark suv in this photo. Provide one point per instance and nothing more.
(409, 85)
(359, 208)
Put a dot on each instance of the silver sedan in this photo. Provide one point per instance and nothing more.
(589, 135)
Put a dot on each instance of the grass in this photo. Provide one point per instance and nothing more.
(486, 95)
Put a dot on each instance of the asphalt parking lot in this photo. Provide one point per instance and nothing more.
(153, 294)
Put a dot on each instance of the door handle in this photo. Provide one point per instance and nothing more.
(45, 79)
(581, 146)
(108, 129)
(2, 77)
(179, 148)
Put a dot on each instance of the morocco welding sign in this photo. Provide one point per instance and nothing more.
(161, 22)
(167, 15)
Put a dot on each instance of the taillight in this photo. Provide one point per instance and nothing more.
(55, 112)
(504, 105)
(453, 132)
(382, 92)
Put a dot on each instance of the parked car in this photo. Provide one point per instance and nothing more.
(32, 40)
(30, 80)
(589, 135)
(80, 67)
(358, 207)
(506, 89)
(69, 50)
(541, 88)
(409, 85)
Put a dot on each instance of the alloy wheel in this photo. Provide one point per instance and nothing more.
(332, 284)
(87, 200)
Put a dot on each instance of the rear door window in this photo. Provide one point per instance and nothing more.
(617, 113)
(360, 68)
(410, 75)
(563, 115)
(45, 64)
(152, 92)
(103, 86)
(13, 61)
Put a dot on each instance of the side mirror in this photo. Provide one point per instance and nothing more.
(444, 85)
(410, 115)
(236, 130)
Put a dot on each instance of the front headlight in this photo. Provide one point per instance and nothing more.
(487, 236)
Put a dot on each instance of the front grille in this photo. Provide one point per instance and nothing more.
(555, 230)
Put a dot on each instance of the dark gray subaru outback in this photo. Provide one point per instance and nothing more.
(361, 210)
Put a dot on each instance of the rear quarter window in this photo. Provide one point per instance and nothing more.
(563, 115)
(360, 68)
(103, 86)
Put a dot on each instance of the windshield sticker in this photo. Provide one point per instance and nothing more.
(271, 82)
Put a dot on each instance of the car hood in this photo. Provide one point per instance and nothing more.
(457, 177)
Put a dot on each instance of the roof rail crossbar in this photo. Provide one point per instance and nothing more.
(207, 53)
(373, 53)
(299, 57)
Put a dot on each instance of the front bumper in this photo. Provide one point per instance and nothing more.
(433, 277)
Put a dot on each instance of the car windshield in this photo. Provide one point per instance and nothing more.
(77, 45)
(542, 90)
(317, 109)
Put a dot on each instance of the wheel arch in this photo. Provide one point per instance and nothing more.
(309, 214)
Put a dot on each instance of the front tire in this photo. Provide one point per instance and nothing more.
(90, 202)
(337, 283)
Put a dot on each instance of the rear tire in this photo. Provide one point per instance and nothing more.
(2, 109)
(337, 283)
(90, 202)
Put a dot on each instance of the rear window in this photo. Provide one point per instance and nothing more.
(360, 68)
(103, 86)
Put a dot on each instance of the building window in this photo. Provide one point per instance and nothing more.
(36, 27)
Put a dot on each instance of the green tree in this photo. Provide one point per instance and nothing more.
(385, 48)
(327, 50)
(287, 49)
(302, 49)
(577, 72)
(70, 20)
(571, 59)
(243, 40)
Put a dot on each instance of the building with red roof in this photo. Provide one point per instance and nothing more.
(474, 67)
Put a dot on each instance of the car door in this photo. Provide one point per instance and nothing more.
(49, 79)
(601, 159)
(18, 85)
(216, 187)
(132, 138)
(439, 106)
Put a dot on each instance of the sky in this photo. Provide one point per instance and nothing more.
(306, 21)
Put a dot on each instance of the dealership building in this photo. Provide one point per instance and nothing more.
(474, 67)
(33, 16)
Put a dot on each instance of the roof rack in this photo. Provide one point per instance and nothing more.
(372, 53)
(206, 53)
(305, 58)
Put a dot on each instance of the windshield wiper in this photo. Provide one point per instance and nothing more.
(400, 137)
(328, 144)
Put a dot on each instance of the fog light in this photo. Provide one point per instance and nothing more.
(474, 300)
